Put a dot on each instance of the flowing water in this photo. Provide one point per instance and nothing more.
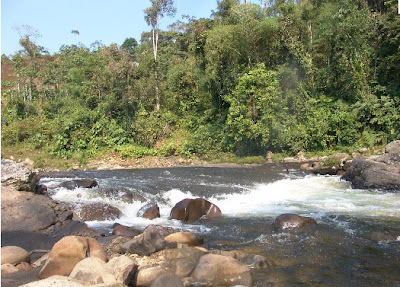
(344, 249)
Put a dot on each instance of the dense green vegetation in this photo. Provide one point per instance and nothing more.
(288, 76)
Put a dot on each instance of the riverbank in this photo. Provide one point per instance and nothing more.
(41, 161)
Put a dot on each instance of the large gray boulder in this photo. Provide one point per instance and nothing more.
(376, 172)
(30, 212)
(150, 241)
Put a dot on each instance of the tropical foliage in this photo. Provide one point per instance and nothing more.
(280, 75)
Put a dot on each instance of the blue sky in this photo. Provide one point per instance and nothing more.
(96, 20)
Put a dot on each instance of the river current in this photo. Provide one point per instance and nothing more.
(356, 241)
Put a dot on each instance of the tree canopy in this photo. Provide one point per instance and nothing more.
(282, 76)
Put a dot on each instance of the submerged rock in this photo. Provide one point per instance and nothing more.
(84, 183)
(121, 194)
(98, 211)
(292, 221)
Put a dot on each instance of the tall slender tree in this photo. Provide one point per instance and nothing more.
(153, 16)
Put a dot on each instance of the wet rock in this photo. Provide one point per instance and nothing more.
(84, 183)
(292, 221)
(147, 276)
(123, 268)
(257, 262)
(40, 189)
(222, 271)
(98, 211)
(185, 238)
(167, 280)
(189, 210)
(148, 242)
(149, 211)
(91, 271)
(67, 252)
(125, 231)
(14, 255)
(121, 194)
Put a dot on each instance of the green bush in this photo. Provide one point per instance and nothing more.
(135, 151)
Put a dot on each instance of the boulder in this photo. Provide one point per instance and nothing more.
(148, 242)
(14, 173)
(180, 262)
(84, 183)
(52, 281)
(123, 268)
(393, 147)
(125, 231)
(30, 212)
(292, 221)
(185, 238)
(67, 252)
(98, 211)
(147, 276)
(189, 210)
(167, 280)
(149, 211)
(14, 255)
(376, 172)
(91, 271)
(222, 271)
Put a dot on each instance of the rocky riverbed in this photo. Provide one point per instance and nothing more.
(76, 255)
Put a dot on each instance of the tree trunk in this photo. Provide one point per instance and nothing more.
(156, 90)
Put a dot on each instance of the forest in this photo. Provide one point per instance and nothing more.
(282, 76)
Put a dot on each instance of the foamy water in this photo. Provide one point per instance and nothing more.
(309, 195)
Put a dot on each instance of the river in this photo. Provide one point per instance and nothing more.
(342, 250)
